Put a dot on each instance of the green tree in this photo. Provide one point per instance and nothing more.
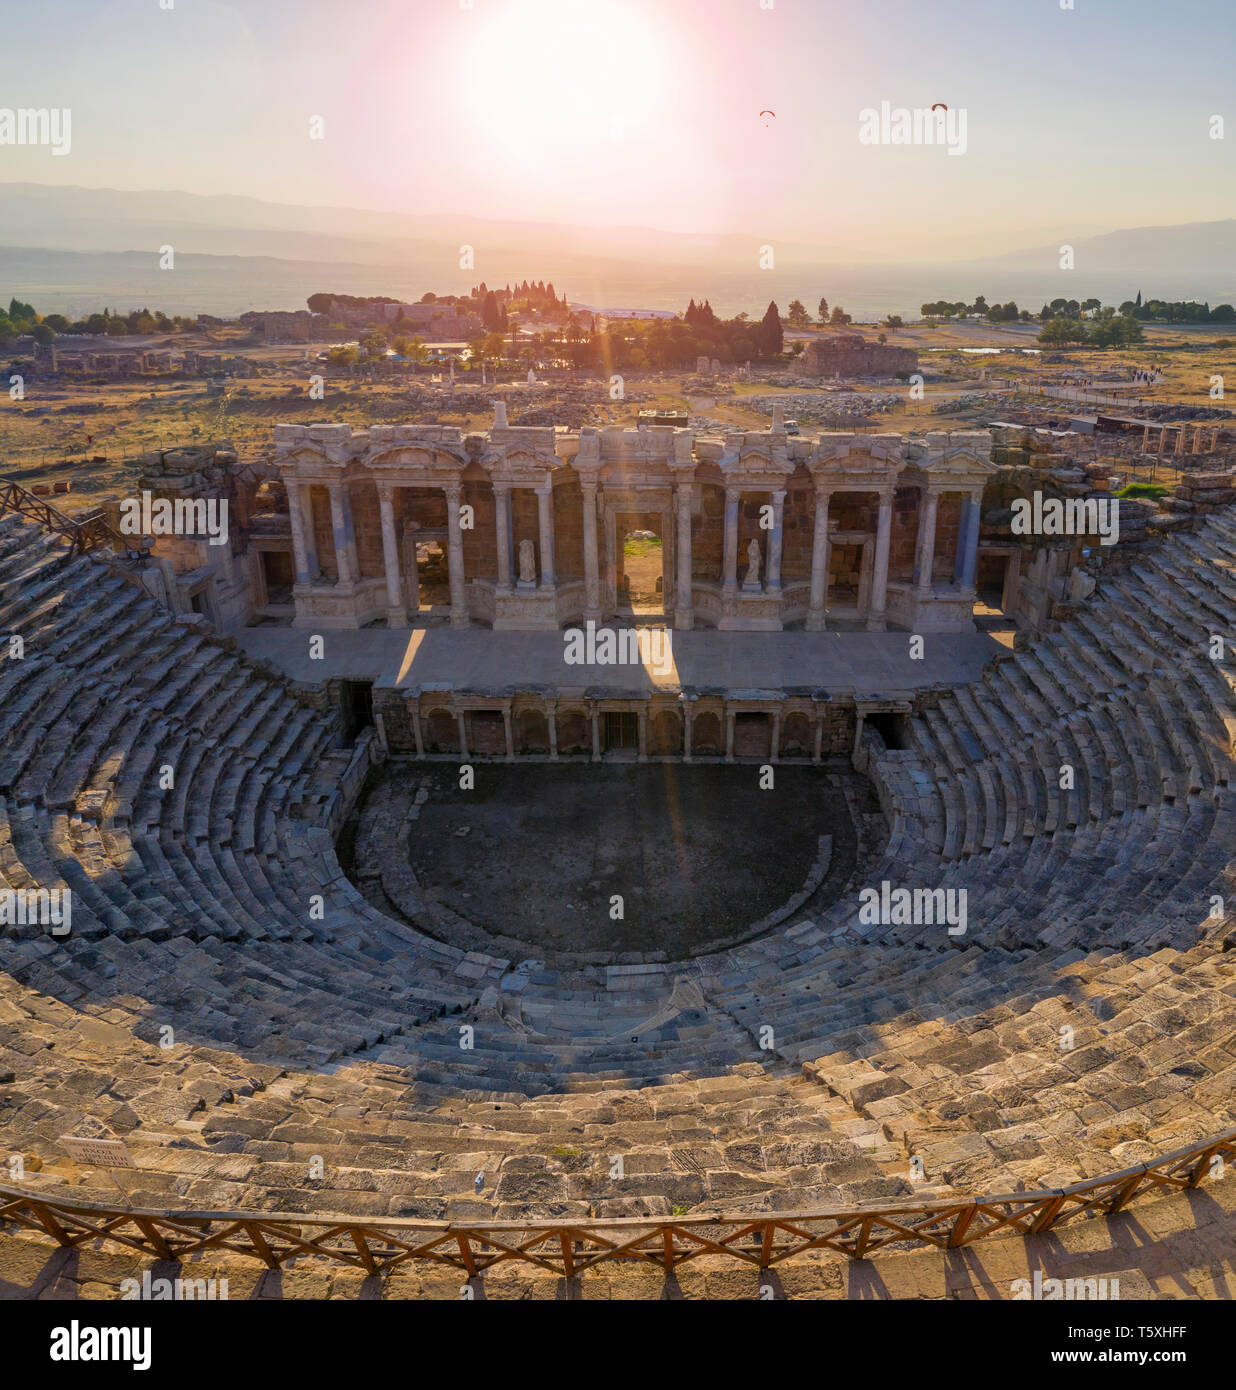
(374, 344)
(797, 316)
(1060, 330)
(411, 349)
(1116, 332)
(823, 315)
(769, 335)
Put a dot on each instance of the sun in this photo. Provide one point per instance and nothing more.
(553, 81)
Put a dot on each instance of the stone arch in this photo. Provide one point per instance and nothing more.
(706, 734)
(531, 732)
(665, 733)
(796, 736)
(441, 732)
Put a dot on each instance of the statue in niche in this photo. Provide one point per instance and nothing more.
(527, 563)
(752, 580)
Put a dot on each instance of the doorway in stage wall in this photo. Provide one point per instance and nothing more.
(641, 571)
(621, 731)
(279, 575)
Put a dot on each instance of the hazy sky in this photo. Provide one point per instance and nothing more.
(646, 112)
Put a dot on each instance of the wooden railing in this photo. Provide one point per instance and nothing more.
(569, 1248)
(84, 533)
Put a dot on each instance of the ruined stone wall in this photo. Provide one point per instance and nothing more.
(948, 538)
(569, 530)
(480, 543)
(904, 537)
(708, 534)
(798, 534)
(367, 524)
(854, 355)
(323, 532)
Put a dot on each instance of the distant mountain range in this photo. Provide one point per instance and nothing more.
(70, 249)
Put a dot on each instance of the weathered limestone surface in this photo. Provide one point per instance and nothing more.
(1082, 1023)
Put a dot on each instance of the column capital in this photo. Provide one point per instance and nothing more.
(454, 491)
(386, 490)
(779, 495)
(732, 494)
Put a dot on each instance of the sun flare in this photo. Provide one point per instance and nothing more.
(558, 80)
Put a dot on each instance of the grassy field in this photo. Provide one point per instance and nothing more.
(94, 433)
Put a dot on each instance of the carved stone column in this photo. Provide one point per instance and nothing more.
(816, 614)
(307, 530)
(974, 523)
(455, 556)
(927, 540)
(877, 616)
(545, 522)
(340, 521)
(772, 582)
(682, 609)
(414, 706)
(296, 516)
(396, 613)
(502, 527)
(592, 588)
(730, 576)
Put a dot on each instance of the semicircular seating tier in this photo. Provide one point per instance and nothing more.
(1084, 1022)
